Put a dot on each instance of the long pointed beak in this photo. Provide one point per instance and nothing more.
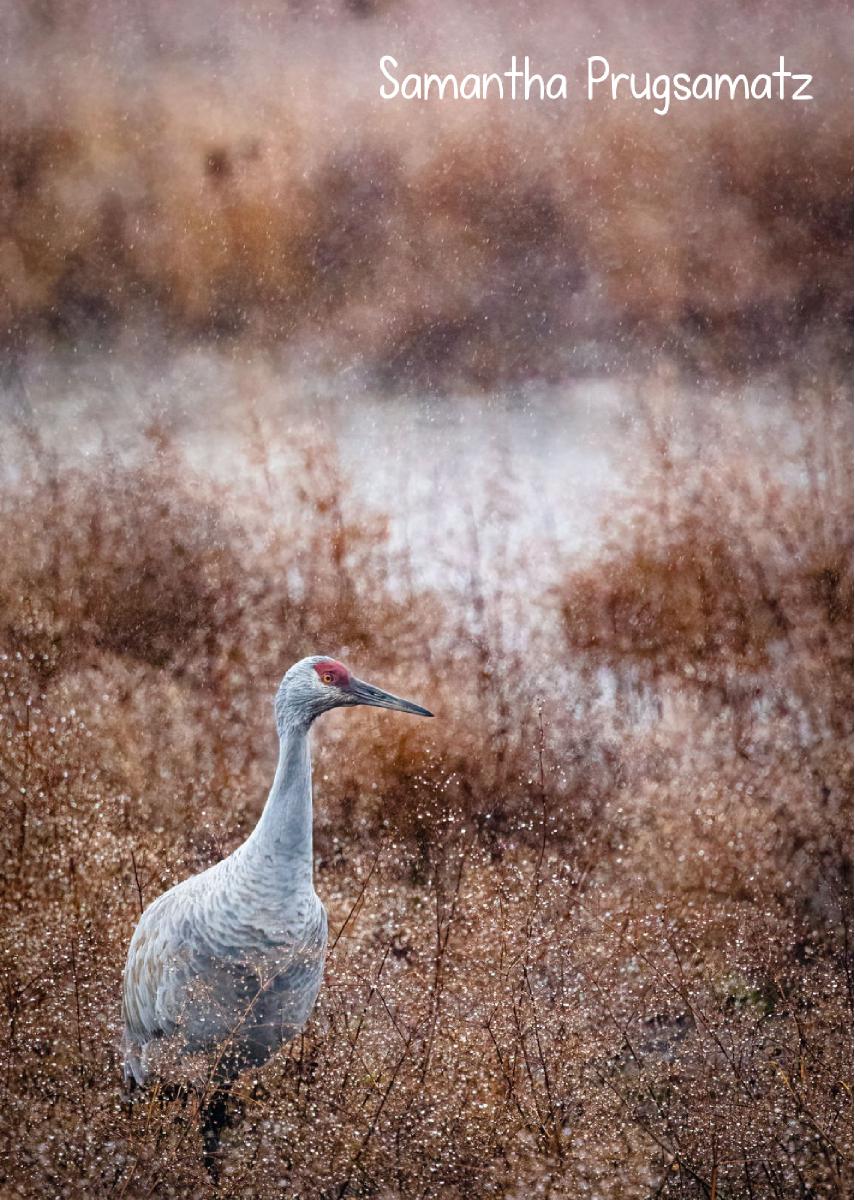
(364, 693)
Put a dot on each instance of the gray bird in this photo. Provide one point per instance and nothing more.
(229, 962)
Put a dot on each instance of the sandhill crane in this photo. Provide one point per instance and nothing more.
(230, 961)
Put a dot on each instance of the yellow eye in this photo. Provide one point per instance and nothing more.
(327, 677)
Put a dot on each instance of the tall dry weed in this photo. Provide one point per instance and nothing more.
(590, 928)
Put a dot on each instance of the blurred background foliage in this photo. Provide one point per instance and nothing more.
(229, 172)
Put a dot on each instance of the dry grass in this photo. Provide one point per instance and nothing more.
(591, 927)
(601, 948)
(238, 194)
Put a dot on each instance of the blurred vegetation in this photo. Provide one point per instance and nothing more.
(224, 196)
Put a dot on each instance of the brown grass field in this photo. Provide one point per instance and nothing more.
(590, 929)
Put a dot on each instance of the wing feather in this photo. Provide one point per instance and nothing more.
(202, 974)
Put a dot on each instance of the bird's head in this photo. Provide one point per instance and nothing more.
(315, 685)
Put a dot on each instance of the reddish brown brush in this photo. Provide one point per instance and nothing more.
(579, 945)
(227, 198)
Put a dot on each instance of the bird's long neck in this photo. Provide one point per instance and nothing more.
(282, 839)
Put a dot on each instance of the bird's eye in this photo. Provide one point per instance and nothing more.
(327, 677)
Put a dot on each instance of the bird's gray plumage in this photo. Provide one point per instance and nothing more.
(230, 961)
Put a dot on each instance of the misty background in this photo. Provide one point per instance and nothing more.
(208, 219)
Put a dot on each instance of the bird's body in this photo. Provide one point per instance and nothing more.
(204, 975)
(229, 958)
(230, 961)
